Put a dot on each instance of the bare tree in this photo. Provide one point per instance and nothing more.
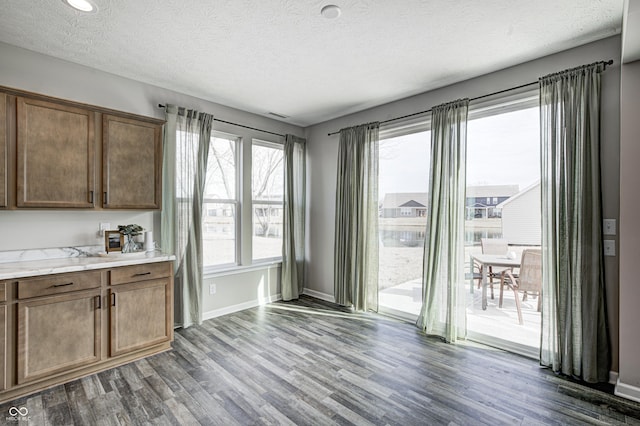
(267, 183)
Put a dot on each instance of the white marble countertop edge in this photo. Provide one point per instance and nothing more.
(33, 268)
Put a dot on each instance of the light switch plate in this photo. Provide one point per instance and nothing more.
(609, 227)
(609, 247)
(212, 289)
(104, 226)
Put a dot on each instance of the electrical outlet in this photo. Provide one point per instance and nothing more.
(212, 289)
(609, 227)
(104, 226)
(609, 247)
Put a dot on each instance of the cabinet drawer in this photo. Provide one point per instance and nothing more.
(3, 292)
(144, 272)
(60, 283)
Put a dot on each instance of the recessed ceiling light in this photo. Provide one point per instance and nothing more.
(331, 11)
(82, 5)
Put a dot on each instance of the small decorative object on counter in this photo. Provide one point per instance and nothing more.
(113, 241)
(130, 231)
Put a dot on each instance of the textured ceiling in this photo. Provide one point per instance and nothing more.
(282, 56)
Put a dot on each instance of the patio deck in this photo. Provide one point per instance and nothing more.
(495, 323)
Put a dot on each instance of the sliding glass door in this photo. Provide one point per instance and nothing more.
(502, 210)
(503, 220)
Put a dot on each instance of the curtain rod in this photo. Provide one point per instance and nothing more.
(236, 124)
(609, 62)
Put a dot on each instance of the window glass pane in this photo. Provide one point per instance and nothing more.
(219, 234)
(221, 170)
(220, 200)
(267, 188)
(403, 184)
(503, 208)
(267, 231)
(267, 174)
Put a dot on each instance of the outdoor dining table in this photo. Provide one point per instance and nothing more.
(487, 260)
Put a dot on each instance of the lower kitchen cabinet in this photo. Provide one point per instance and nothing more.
(56, 328)
(57, 334)
(140, 315)
(3, 347)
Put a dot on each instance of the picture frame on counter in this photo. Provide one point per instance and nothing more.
(113, 241)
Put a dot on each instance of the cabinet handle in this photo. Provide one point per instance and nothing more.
(91, 197)
(61, 285)
(99, 302)
(141, 274)
(105, 198)
(113, 299)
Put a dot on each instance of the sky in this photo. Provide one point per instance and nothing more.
(501, 150)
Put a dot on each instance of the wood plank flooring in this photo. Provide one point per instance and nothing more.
(313, 363)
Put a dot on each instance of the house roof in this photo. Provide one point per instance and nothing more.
(394, 200)
(519, 194)
(412, 203)
(492, 191)
(421, 199)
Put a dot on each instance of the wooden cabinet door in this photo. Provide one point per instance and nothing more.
(57, 334)
(4, 127)
(3, 347)
(132, 163)
(140, 315)
(56, 155)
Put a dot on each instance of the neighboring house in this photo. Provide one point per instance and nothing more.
(404, 204)
(482, 201)
(521, 217)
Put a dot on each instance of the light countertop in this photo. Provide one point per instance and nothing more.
(31, 268)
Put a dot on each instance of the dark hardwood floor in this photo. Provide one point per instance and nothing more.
(311, 362)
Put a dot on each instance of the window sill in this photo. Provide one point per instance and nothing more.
(233, 270)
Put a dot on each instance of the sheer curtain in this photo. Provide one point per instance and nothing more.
(186, 147)
(292, 272)
(443, 309)
(356, 235)
(575, 338)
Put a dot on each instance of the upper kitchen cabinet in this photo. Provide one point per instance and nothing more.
(132, 162)
(4, 127)
(55, 151)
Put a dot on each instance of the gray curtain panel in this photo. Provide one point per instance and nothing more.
(443, 309)
(292, 271)
(356, 234)
(186, 149)
(575, 338)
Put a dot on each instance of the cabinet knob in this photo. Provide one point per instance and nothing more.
(91, 197)
(98, 302)
(113, 299)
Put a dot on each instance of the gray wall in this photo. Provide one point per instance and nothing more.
(322, 154)
(26, 70)
(629, 229)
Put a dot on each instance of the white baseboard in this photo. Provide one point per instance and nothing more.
(613, 377)
(240, 307)
(627, 391)
(319, 295)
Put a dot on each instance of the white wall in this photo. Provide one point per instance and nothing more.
(322, 154)
(24, 229)
(521, 221)
(629, 231)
